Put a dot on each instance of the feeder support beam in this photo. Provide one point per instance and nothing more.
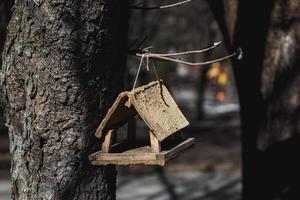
(106, 145)
(155, 144)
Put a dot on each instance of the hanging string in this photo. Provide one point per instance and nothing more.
(138, 72)
(147, 67)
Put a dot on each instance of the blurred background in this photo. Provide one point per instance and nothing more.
(206, 95)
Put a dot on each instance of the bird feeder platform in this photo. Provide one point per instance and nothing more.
(127, 154)
(158, 110)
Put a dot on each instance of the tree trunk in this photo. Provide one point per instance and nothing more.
(5, 12)
(268, 81)
(63, 65)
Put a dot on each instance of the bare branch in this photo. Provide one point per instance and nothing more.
(189, 52)
(137, 7)
(164, 58)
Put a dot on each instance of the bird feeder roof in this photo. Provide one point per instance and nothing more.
(154, 103)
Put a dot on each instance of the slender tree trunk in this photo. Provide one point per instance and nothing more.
(63, 65)
(268, 81)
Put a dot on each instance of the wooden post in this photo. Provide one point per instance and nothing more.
(131, 129)
(106, 145)
(155, 144)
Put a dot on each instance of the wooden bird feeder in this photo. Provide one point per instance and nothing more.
(157, 108)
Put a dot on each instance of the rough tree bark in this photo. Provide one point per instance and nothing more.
(5, 12)
(63, 64)
(268, 81)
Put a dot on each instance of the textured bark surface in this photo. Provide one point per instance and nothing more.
(268, 81)
(5, 12)
(281, 73)
(5, 7)
(63, 65)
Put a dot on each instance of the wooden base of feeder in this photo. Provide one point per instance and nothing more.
(140, 154)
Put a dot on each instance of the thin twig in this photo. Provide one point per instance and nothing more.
(163, 58)
(161, 7)
(188, 52)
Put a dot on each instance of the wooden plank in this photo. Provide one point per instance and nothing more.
(140, 155)
(125, 157)
(176, 151)
(155, 144)
(117, 115)
(106, 145)
(157, 108)
(93, 155)
(131, 129)
(133, 162)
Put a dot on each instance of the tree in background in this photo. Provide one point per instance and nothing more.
(268, 79)
(63, 64)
